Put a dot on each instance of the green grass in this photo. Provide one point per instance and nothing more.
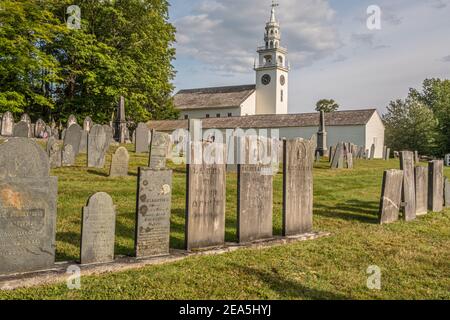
(414, 257)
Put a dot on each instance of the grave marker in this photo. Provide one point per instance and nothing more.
(158, 150)
(68, 156)
(21, 130)
(98, 145)
(119, 163)
(72, 137)
(421, 178)
(143, 138)
(391, 195)
(408, 191)
(435, 185)
(7, 126)
(447, 193)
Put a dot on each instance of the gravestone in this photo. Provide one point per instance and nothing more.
(436, 185)
(7, 125)
(98, 145)
(205, 198)
(119, 163)
(73, 137)
(331, 154)
(109, 134)
(349, 160)
(416, 157)
(98, 230)
(447, 160)
(255, 189)
(447, 193)
(338, 159)
(421, 180)
(298, 187)
(27, 208)
(39, 128)
(83, 141)
(50, 142)
(55, 155)
(317, 158)
(407, 164)
(21, 130)
(25, 117)
(158, 150)
(143, 138)
(384, 152)
(153, 212)
(68, 156)
(388, 154)
(391, 196)
(72, 120)
(87, 124)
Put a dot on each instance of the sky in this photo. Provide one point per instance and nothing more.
(332, 51)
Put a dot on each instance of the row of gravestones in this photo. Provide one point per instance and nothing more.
(28, 204)
(343, 155)
(413, 190)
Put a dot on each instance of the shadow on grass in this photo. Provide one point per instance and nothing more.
(363, 211)
(287, 288)
(71, 238)
(98, 173)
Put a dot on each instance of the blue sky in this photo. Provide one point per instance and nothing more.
(332, 52)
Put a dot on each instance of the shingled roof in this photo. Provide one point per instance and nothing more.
(339, 118)
(213, 98)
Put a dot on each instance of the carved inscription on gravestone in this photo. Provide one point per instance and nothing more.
(158, 150)
(391, 196)
(119, 163)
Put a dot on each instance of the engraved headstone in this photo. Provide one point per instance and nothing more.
(68, 156)
(435, 185)
(421, 178)
(297, 187)
(153, 212)
(7, 124)
(408, 191)
(39, 129)
(73, 137)
(21, 130)
(158, 150)
(98, 145)
(27, 208)
(87, 124)
(391, 196)
(119, 163)
(143, 138)
(206, 186)
(55, 155)
(72, 120)
(255, 189)
(98, 230)
(25, 117)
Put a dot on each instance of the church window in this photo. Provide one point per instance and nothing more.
(280, 60)
(218, 115)
(207, 115)
(282, 95)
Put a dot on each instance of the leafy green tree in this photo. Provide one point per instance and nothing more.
(327, 105)
(411, 125)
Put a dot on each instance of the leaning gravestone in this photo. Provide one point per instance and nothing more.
(255, 189)
(98, 145)
(205, 199)
(119, 163)
(435, 185)
(158, 150)
(68, 156)
(98, 230)
(338, 158)
(298, 187)
(55, 155)
(143, 138)
(7, 124)
(421, 180)
(21, 130)
(391, 196)
(447, 193)
(153, 212)
(73, 137)
(27, 208)
(408, 190)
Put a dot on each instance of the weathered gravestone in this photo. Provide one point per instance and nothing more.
(447, 193)
(255, 189)
(50, 142)
(435, 185)
(87, 124)
(55, 155)
(205, 198)
(158, 150)
(21, 130)
(98, 230)
(39, 128)
(331, 154)
(388, 154)
(421, 180)
(73, 137)
(391, 196)
(72, 120)
(7, 124)
(416, 157)
(153, 212)
(338, 158)
(27, 208)
(297, 187)
(408, 191)
(119, 163)
(98, 145)
(143, 138)
(349, 162)
(25, 117)
(68, 156)
(109, 134)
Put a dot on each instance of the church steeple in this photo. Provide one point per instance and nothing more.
(272, 35)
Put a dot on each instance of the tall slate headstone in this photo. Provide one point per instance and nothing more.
(143, 138)
(119, 163)
(158, 150)
(421, 180)
(154, 199)
(255, 189)
(407, 164)
(391, 196)
(205, 198)
(98, 230)
(27, 208)
(73, 137)
(21, 130)
(435, 185)
(7, 126)
(297, 187)
(98, 145)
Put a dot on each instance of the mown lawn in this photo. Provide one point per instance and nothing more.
(414, 257)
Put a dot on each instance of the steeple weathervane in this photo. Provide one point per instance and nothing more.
(272, 15)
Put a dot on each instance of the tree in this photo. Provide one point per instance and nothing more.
(411, 125)
(327, 105)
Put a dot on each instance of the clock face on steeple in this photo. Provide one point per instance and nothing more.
(265, 80)
(282, 80)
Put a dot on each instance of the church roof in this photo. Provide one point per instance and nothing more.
(338, 118)
(213, 98)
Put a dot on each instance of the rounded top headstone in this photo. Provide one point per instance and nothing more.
(22, 158)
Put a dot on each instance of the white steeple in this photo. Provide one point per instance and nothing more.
(272, 15)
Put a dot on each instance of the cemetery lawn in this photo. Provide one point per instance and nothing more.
(414, 257)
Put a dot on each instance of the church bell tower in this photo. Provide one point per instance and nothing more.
(272, 71)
